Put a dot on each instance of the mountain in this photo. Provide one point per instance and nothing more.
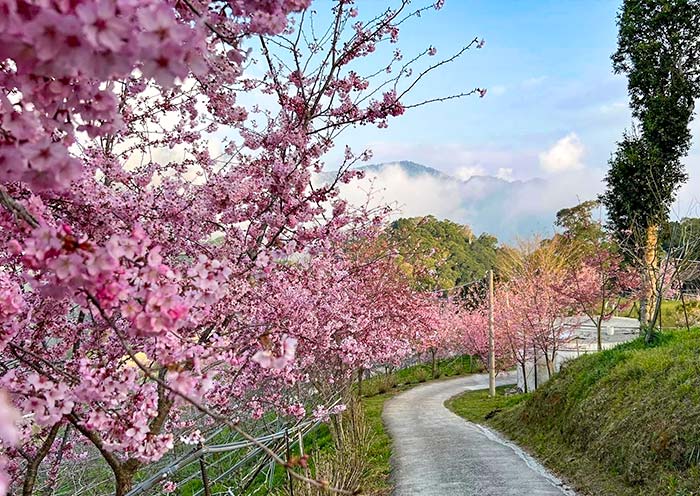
(506, 209)
(411, 169)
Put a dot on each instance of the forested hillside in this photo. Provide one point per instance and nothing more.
(441, 254)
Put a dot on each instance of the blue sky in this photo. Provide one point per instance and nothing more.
(554, 111)
(546, 65)
(554, 108)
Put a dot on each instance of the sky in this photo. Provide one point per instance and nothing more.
(554, 109)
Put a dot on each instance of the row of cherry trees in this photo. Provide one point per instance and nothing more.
(164, 250)
(541, 287)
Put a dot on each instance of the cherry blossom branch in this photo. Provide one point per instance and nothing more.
(205, 410)
(16, 208)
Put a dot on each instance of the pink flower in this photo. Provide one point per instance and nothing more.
(266, 359)
(102, 28)
(169, 487)
(9, 417)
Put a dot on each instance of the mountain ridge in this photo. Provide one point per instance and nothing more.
(487, 204)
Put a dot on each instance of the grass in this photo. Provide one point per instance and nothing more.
(377, 480)
(624, 422)
(416, 374)
(672, 315)
(478, 406)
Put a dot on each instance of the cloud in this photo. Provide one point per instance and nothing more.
(449, 157)
(564, 155)
(505, 173)
(410, 196)
(464, 173)
(534, 81)
(486, 204)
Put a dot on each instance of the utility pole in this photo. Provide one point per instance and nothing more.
(492, 351)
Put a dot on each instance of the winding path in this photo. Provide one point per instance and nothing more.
(437, 453)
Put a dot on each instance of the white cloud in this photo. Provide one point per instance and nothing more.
(486, 205)
(534, 81)
(498, 89)
(505, 173)
(464, 173)
(449, 157)
(564, 155)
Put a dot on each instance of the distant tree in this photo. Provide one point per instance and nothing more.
(536, 308)
(578, 223)
(441, 254)
(659, 51)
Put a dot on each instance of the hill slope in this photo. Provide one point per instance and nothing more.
(622, 422)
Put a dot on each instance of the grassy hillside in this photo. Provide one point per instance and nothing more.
(621, 422)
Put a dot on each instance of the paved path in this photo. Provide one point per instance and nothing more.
(437, 453)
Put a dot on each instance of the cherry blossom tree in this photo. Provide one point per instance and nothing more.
(597, 286)
(517, 338)
(536, 272)
(165, 248)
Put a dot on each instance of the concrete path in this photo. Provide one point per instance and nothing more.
(437, 453)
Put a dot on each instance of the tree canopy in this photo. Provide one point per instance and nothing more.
(441, 254)
(659, 51)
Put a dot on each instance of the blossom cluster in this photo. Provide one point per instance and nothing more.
(168, 247)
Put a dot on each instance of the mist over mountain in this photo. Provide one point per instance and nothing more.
(506, 209)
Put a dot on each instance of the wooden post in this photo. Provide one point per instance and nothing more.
(288, 451)
(492, 351)
(203, 473)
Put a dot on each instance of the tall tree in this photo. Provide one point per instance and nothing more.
(659, 51)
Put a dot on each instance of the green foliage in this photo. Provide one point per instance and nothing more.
(658, 50)
(577, 223)
(640, 189)
(441, 253)
(583, 234)
(622, 422)
(445, 367)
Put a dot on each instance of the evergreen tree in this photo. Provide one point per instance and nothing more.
(659, 51)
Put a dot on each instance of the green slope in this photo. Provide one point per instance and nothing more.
(621, 422)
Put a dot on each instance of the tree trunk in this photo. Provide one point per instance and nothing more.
(534, 361)
(550, 366)
(685, 311)
(359, 382)
(433, 351)
(522, 366)
(32, 468)
(651, 266)
(599, 330)
(124, 476)
(642, 316)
